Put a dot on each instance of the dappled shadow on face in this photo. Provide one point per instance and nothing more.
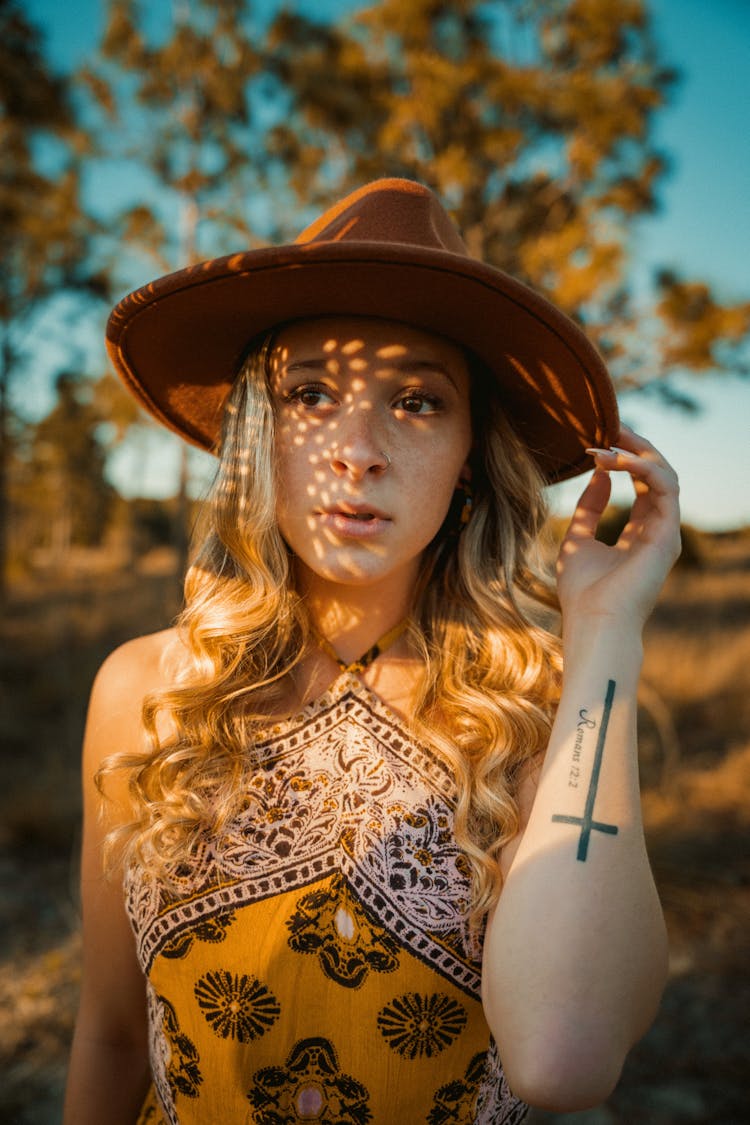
(372, 434)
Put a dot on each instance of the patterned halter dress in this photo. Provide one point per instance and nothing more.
(327, 974)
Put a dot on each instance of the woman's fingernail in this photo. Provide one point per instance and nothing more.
(624, 452)
(601, 452)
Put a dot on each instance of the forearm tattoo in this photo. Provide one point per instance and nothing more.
(587, 822)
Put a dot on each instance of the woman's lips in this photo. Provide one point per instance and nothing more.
(364, 523)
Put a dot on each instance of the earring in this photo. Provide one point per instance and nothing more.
(459, 512)
(464, 490)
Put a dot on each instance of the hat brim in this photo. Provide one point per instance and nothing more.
(178, 342)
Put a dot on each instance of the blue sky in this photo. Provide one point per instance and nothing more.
(703, 230)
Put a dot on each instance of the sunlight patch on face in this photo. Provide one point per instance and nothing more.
(390, 351)
(348, 562)
(338, 402)
(279, 357)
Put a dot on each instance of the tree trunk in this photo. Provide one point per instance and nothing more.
(5, 368)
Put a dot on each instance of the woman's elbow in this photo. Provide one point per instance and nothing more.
(563, 1081)
(563, 1092)
(565, 1057)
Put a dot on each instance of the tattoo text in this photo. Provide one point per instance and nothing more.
(587, 822)
(584, 723)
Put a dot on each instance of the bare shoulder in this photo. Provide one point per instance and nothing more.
(128, 675)
(143, 662)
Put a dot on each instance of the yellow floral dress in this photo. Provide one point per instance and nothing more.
(326, 975)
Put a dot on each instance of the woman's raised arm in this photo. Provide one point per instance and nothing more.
(575, 954)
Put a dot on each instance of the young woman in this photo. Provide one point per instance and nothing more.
(381, 862)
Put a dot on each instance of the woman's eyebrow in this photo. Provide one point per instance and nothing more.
(321, 364)
(402, 364)
(409, 366)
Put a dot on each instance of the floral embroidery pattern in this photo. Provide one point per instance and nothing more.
(415, 1025)
(331, 923)
(495, 1104)
(150, 1114)
(236, 1007)
(349, 821)
(418, 845)
(456, 1102)
(209, 930)
(343, 789)
(309, 1087)
(174, 1057)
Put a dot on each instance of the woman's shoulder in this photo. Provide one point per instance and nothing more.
(129, 674)
(143, 661)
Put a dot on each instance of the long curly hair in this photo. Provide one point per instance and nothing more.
(479, 624)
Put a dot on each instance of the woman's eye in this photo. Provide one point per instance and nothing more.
(417, 402)
(310, 396)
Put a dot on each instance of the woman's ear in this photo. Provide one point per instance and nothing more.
(465, 472)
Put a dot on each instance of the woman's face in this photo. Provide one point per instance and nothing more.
(373, 432)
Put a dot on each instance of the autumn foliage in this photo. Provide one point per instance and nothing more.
(232, 123)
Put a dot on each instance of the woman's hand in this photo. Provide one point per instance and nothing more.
(623, 581)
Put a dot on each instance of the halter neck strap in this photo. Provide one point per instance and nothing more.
(366, 659)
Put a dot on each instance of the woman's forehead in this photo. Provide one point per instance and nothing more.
(362, 343)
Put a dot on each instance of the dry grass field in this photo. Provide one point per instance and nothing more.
(692, 1065)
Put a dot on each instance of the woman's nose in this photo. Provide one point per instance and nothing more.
(357, 447)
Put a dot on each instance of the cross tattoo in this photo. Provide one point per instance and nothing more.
(587, 822)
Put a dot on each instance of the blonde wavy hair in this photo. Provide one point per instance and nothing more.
(492, 667)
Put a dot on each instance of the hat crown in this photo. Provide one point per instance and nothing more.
(388, 211)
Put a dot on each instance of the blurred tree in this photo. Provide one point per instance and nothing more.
(703, 334)
(44, 231)
(64, 492)
(116, 408)
(532, 119)
(122, 419)
(180, 106)
(176, 104)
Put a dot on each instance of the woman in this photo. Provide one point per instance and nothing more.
(372, 843)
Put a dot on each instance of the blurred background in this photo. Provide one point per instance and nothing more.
(597, 149)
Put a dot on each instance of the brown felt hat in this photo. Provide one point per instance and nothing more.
(388, 250)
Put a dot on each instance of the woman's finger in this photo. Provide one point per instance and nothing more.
(648, 467)
(631, 442)
(628, 438)
(591, 505)
(655, 513)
